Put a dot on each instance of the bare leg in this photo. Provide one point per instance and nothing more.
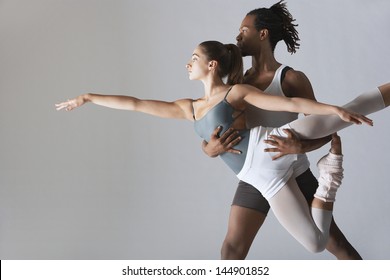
(339, 246)
(244, 224)
(385, 91)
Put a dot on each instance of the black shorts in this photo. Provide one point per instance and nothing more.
(249, 197)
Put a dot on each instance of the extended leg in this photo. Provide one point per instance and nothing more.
(315, 126)
(292, 211)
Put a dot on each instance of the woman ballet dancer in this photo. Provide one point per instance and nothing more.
(224, 103)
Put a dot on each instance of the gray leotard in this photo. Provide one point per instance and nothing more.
(222, 114)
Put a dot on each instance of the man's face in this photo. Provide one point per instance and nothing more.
(248, 39)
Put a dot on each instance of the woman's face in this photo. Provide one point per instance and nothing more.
(197, 67)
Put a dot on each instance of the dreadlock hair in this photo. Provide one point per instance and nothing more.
(229, 60)
(279, 23)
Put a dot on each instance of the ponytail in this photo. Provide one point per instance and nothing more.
(288, 33)
(229, 60)
(235, 74)
(279, 23)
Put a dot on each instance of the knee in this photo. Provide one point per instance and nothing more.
(316, 247)
(234, 250)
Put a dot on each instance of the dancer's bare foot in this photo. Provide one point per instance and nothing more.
(335, 145)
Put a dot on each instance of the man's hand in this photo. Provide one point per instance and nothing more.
(222, 144)
(284, 146)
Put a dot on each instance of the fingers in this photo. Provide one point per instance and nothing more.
(233, 139)
(275, 157)
(288, 132)
(68, 105)
(368, 121)
(234, 151)
(274, 150)
(282, 146)
(229, 138)
(231, 133)
(216, 132)
(224, 143)
(61, 106)
(360, 119)
(271, 150)
(273, 140)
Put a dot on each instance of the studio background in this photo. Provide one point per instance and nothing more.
(99, 183)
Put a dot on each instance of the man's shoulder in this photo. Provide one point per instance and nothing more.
(297, 84)
(293, 75)
(295, 78)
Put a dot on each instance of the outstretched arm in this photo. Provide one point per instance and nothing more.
(299, 105)
(179, 109)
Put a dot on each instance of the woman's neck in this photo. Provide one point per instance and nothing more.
(213, 86)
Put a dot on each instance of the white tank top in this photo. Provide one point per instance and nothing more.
(259, 117)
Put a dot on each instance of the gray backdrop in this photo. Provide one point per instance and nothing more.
(105, 184)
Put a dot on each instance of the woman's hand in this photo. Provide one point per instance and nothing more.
(349, 116)
(71, 103)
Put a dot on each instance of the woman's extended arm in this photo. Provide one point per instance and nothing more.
(179, 109)
(257, 98)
